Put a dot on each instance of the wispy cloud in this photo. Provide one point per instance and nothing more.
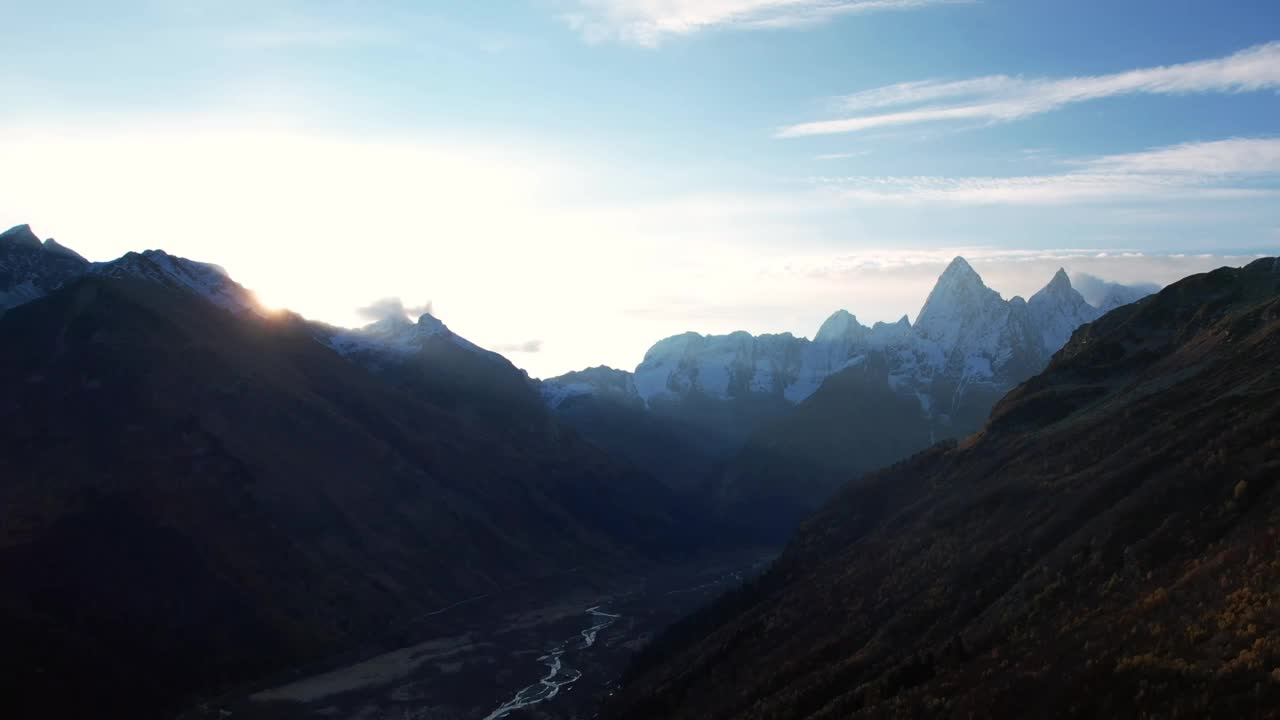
(1003, 98)
(1236, 156)
(649, 22)
(392, 307)
(1223, 169)
(312, 38)
(843, 155)
(528, 346)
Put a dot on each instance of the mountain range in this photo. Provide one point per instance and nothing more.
(1105, 546)
(779, 421)
(198, 492)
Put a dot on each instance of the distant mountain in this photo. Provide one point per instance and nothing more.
(602, 404)
(30, 269)
(1104, 547)
(782, 421)
(192, 494)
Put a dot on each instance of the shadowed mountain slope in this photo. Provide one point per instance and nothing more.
(190, 497)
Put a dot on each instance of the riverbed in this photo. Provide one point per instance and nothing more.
(550, 653)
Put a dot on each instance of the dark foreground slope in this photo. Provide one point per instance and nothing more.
(190, 498)
(1107, 546)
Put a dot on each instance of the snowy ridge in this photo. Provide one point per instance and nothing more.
(30, 269)
(208, 281)
(965, 336)
(598, 381)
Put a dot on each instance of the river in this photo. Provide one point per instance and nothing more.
(549, 653)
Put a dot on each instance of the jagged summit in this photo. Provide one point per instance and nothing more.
(395, 333)
(959, 283)
(961, 310)
(399, 327)
(1057, 310)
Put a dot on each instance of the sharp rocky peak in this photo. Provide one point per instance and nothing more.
(960, 269)
(959, 299)
(1059, 285)
(958, 282)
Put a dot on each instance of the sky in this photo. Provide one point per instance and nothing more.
(568, 181)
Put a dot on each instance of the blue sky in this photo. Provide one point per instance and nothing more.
(587, 176)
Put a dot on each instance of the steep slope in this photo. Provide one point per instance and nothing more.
(190, 497)
(30, 268)
(1105, 547)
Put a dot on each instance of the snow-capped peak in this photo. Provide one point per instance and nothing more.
(399, 328)
(959, 273)
(842, 326)
(960, 307)
(204, 279)
(966, 336)
(396, 333)
(1057, 310)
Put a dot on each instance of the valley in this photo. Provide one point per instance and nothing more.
(550, 650)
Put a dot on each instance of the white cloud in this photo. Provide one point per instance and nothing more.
(1223, 169)
(648, 22)
(1235, 156)
(1001, 98)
